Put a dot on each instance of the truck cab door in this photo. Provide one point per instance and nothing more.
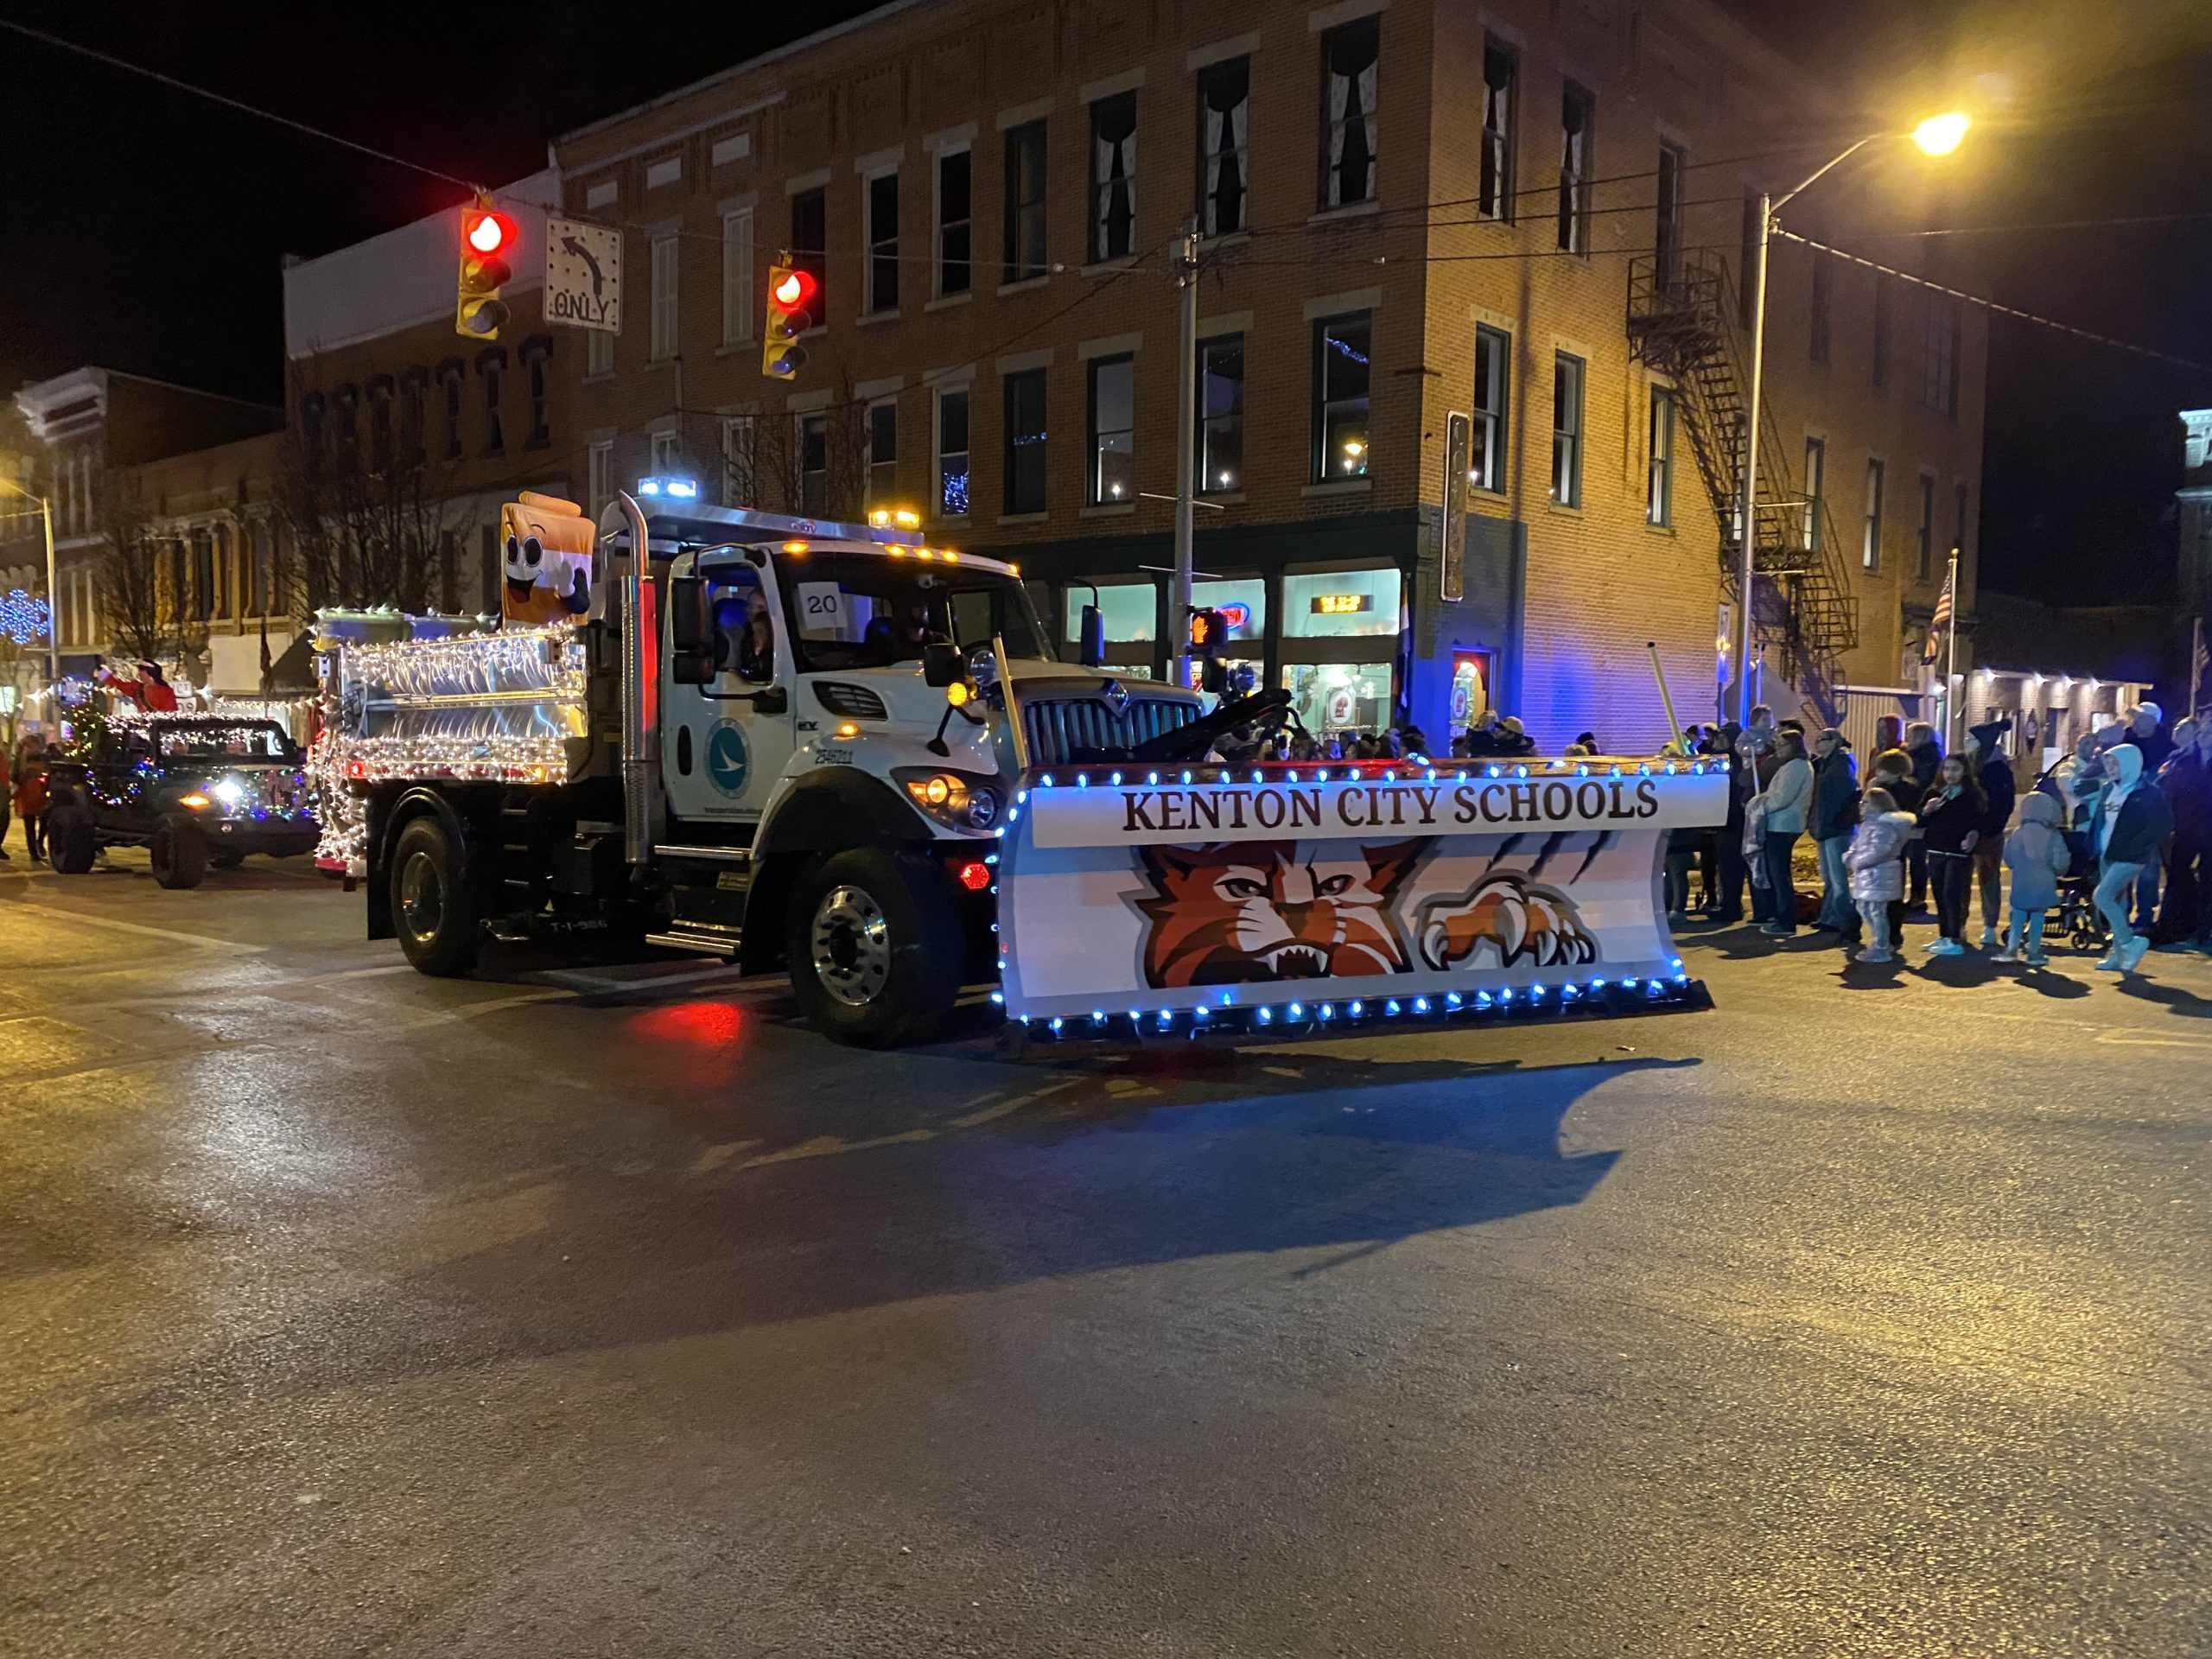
(724, 744)
(123, 778)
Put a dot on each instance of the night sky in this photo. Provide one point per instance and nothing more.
(143, 228)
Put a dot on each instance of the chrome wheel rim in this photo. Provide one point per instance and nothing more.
(421, 898)
(851, 946)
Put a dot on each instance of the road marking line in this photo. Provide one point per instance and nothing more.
(170, 934)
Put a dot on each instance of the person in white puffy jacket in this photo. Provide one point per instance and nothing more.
(1875, 860)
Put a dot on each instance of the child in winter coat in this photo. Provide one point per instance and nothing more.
(1875, 860)
(2038, 856)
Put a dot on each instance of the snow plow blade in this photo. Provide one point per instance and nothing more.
(1148, 901)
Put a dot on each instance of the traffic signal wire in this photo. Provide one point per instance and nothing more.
(64, 45)
(1997, 307)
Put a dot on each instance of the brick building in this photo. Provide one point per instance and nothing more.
(85, 436)
(1525, 213)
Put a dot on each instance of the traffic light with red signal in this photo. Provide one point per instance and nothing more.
(488, 247)
(794, 306)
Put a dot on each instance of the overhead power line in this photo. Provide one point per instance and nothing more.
(1987, 304)
(62, 45)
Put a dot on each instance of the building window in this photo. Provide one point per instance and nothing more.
(1659, 477)
(1870, 543)
(1112, 419)
(1881, 329)
(1221, 415)
(380, 424)
(1025, 442)
(537, 377)
(737, 277)
(814, 465)
(449, 374)
(1816, 483)
(881, 296)
(414, 397)
(1341, 351)
(883, 452)
(1939, 376)
(1576, 108)
(1113, 176)
(348, 400)
(809, 248)
(1747, 260)
(953, 224)
(1225, 91)
(1924, 536)
(952, 453)
(1349, 55)
(662, 345)
(667, 453)
(1666, 238)
(598, 477)
(1493, 380)
(1025, 202)
(1500, 65)
(1823, 294)
(740, 473)
(599, 353)
(492, 366)
(1566, 429)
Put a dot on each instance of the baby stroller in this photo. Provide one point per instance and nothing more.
(2081, 923)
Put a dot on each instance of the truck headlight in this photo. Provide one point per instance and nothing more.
(954, 801)
(230, 792)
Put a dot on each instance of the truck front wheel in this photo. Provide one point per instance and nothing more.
(876, 947)
(432, 909)
(69, 843)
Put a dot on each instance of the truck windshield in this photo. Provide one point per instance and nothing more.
(869, 610)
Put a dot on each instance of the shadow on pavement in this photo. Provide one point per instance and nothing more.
(2172, 998)
(1284, 1152)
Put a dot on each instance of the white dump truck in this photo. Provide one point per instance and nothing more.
(838, 751)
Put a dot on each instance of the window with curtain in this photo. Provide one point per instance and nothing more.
(1659, 479)
(1500, 64)
(1566, 429)
(661, 342)
(1816, 484)
(1113, 176)
(1224, 91)
(737, 278)
(1869, 546)
(1350, 53)
(1574, 117)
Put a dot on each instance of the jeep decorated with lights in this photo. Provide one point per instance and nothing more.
(194, 791)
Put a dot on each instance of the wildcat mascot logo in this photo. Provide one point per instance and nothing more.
(1258, 911)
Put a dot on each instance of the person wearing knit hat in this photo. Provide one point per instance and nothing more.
(1998, 787)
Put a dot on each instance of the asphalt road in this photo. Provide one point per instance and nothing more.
(605, 1311)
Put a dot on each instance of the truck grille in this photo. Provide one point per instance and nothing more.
(1061, 730)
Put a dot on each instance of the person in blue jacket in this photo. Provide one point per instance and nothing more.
(2129, 820)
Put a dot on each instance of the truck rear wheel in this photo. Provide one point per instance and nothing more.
(180, 855)
(69, 845)
(432, 909)
(876, 947)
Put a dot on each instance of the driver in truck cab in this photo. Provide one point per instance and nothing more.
(741, 618)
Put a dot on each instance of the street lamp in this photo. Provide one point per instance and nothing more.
(52, 593)
(1939, 135)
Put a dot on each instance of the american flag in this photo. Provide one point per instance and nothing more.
(1942, 620)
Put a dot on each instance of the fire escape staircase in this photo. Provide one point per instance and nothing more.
(1681, 313)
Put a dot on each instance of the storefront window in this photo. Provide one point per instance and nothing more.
(1130, 610)
(1340, 602)
(1244, 602)
(1333, 698)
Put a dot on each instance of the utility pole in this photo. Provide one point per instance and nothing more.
(1951, 663)
(1747, 496)
(1186, 443)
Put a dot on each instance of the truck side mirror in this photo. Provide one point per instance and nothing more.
(941, 666)
(692, 648)
(1092, 634)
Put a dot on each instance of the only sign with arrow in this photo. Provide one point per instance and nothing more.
(584, 274)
